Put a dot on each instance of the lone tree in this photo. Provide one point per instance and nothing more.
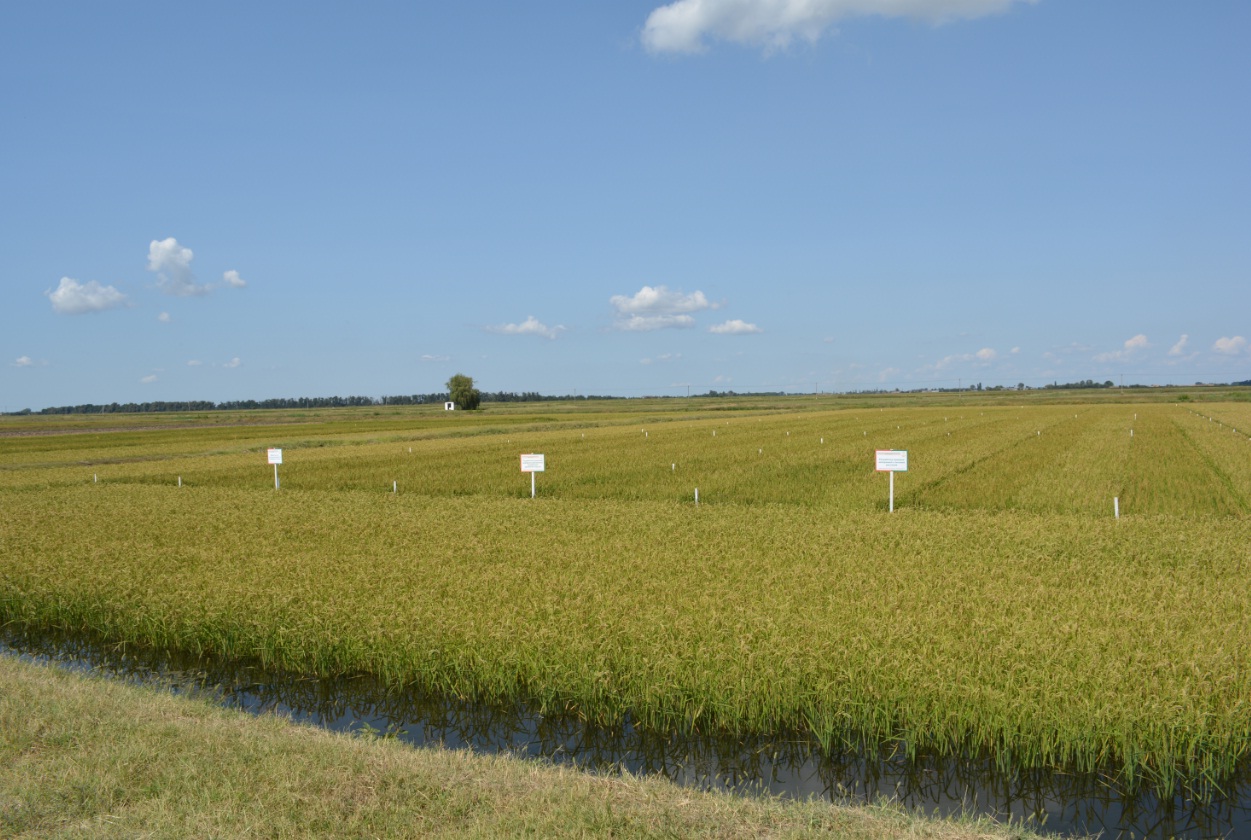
(461, 391)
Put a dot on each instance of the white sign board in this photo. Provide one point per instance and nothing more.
(892, 460)
(275, 456)
(532, 463)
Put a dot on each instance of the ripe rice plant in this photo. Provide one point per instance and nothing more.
(1001, 609)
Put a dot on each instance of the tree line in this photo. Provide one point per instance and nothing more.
(435, 398)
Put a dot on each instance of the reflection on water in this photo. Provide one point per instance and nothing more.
(785, 765)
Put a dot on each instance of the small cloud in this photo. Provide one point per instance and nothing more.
(735, 327)
(233, 363)
(1138, 342)
(1230, 346)
(530, 326)
(663, 357)
(24, 361)
(430, 357)
(829, 339)
(172, 264)
(149, 379)
(684, 25)
(194, 363)
(985, 355)
(164, 318)
(1180, 347)
(722, 380)
(888, 373)
(233, 280)
(1015, 350)
(647, 323)
(74, 298)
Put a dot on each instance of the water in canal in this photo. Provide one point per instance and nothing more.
(1051, 801)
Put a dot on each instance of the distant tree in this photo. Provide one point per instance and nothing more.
(461, 391)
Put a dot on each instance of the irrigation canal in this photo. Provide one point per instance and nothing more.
(1050, 801)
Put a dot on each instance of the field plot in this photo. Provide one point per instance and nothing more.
(1002, 608)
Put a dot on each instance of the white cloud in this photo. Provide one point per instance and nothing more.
(172, 264)
(1180, 347)
(233, 280)
(23, 361)
(233, 363)
(888, 373)
(194, 363)
(530, 326)
(659, 300)
(149, 379)
(657, 308)
(683, 26)
(647, 323)
(735, 327)
(722, 380)
(663, 357)
(1015, 350)
(74, 298)
(430, 357)
(986, 354)
(1138, 342)
(164, 318)
(1230, 346)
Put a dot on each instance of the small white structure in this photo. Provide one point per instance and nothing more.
(449, 406)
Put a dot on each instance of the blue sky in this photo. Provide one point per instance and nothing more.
(231, 201)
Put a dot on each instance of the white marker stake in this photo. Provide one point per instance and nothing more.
(673, 467)
(696, 497)
(395, 487)
(892, 461)
(180, 481)
(532, 463)
(275, 458)
(1116, 507)
(95, 478)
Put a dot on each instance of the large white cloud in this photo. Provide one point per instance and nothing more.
(74, 298)
(657, 308)
(172, 264)
(656, 300)
(530, 326)
(684, 25)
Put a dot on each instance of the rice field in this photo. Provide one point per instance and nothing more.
(1001, 610)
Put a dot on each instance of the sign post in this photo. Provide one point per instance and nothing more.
(892, 461)
(532, 463)
(275, 458)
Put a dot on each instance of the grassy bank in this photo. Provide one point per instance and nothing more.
(80, 757)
